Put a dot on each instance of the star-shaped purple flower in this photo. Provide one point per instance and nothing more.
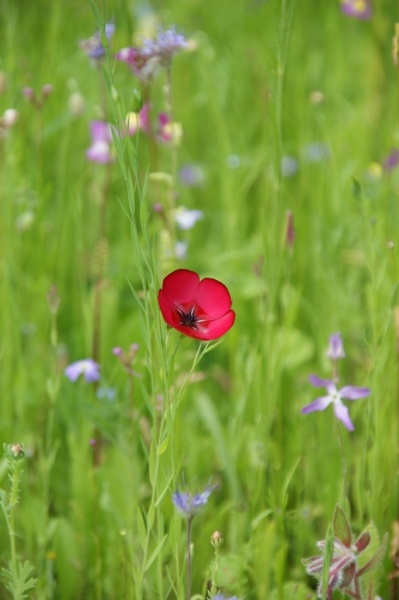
(349, 392)
(86, 367)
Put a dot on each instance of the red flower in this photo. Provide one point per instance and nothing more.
(199, 309)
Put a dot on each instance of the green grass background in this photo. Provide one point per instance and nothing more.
(244, 91)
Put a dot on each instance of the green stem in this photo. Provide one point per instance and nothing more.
(189, 522)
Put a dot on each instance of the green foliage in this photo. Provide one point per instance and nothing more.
(261, 81)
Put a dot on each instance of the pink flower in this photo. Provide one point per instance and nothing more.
(101, 139)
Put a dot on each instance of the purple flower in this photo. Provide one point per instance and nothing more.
(192, 175)
(142, 65)
(336, 348)
(221, 597)
(359, 9)
(349, 392)
(165, 46)
(392, 160)
(86, 367)
(101, 138)
(188, 505)
(93, 46)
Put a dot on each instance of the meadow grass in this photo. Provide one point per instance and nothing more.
(95, 517)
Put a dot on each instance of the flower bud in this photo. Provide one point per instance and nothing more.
(47, 89)
(76, 104)
(17, 450)
(137, 101)
(217, 539)
(29, 93)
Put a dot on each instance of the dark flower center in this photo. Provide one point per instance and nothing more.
(189, 318)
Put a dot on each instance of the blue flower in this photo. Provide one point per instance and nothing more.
(87, 367)
(188, 505)
(167, 43)
(93, 46)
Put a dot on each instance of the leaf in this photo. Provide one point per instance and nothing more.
(328, 554)
(141, 529)
(155, 553)
(17, 580)
(363, 541)
(161, 449)
(342, 530)
(375, 560)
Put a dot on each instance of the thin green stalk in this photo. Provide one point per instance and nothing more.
(188, 548)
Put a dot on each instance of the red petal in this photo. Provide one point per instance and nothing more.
(167, 309)
(181, 286)
(215, 329)
(213, 298)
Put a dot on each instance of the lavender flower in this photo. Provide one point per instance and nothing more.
(336, 348)
(93, 46)
(220, 596)
(359, 9)
(186, 219)
(392, 160)
(188, 505)
(288, 166)
(349, 392)
(167, 43)
(192, 175)
(101, 138)
(87, 367)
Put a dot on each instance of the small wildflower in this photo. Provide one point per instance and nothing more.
(233, 161)
(345, 572)
(336, 348)
(186, 219)
(47, 89)
(29, 93)
(392, 160)
(87, 367)
(220, 596)
(359, 9)
(167, 43)
(181, 250)
(101, 139)
(317, 152)
(169, 133)
(192, 175)
(93, 46)
(288, 166)
(107, 393)
(349, 392)
(188, 505)
(9, 118)
(139, 121)
(142, 65)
